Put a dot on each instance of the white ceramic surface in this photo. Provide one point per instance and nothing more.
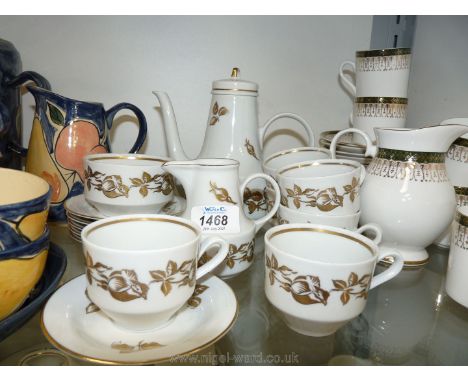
(215, 182)
(288, 215)
(322, 187)
(232, 128)
(457, 271)
(287, 157)
(412, 201)
(318, 277)
(382, 72)
(141, 269)
(119, 184)
(75, 326)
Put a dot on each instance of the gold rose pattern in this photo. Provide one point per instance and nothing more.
(307, 289)
(221, 193)
(112, 186)
(250, 149)
(325, 200)
(195, 300)
(256, 200)
(124, 285)
(140, 346)
(217, 112)
(245, 252)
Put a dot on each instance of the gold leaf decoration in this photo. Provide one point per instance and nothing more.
(221, 193)
(141, 346)
(216, 113)
(250, 149)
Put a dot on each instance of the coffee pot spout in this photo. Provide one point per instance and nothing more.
(176, 151)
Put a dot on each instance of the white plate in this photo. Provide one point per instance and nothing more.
(71, 324)
(78, 207)
(344, 144)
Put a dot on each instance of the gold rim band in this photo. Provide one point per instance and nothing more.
(130, 157)
(315, 164)
(326, 231)
(383, 52)
(298, 150)
(127, 220)
(235, 90)
(149, 362)
(384, 100)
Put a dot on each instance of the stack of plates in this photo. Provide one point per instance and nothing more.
(346, 148)
(80, 213)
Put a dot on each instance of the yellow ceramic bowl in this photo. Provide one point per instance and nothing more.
(24, 204)
(20, 270)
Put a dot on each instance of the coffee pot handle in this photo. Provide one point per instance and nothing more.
(298, 118)
(142, 127)
(216, 259)
(260, 222)
(392, 271)
(19, 80)
(350, 85)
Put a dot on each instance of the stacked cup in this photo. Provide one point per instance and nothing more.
(381, 89)
(324, 191)
(24, 236)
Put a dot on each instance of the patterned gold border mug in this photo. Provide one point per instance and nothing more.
(141, 269)
(318, 277)
(370, 112)
(457, 271)
(380, 72)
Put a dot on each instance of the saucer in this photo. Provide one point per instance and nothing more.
(53, 271)
(77, 327)
(78, 207)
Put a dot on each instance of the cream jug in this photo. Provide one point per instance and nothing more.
(406, 190)
(214, 202)
(232, 132)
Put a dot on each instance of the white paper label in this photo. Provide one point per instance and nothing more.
(217, 219)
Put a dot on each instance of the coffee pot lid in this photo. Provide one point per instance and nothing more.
(235, 83)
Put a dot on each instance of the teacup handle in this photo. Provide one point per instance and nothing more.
(373, 228)
(298, 118)
(142, 127)
(371, 149)
(351, 86)
(216, 259)
(260, 222)
(392, 271)
(21, 79)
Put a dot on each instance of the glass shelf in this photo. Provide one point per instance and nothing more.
(409, 320)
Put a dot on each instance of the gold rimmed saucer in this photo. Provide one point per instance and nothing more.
(72, 324)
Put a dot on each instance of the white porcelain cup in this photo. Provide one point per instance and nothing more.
(370, 112)
(457, 270)
(141, 269)
(119, 184)
(380, 72)
(283, 158)
(322, 187)
(318, 277)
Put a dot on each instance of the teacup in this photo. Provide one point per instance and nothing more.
(287, 157)
(142, 269)
(379, 72)
(120, 184)
(319, 277)
(20, 270)
(457, 281)
(322, 187)
(370, 112)
(24, 204)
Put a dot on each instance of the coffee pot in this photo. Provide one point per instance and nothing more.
(214, 202)
(232, 132)
(407, 190)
